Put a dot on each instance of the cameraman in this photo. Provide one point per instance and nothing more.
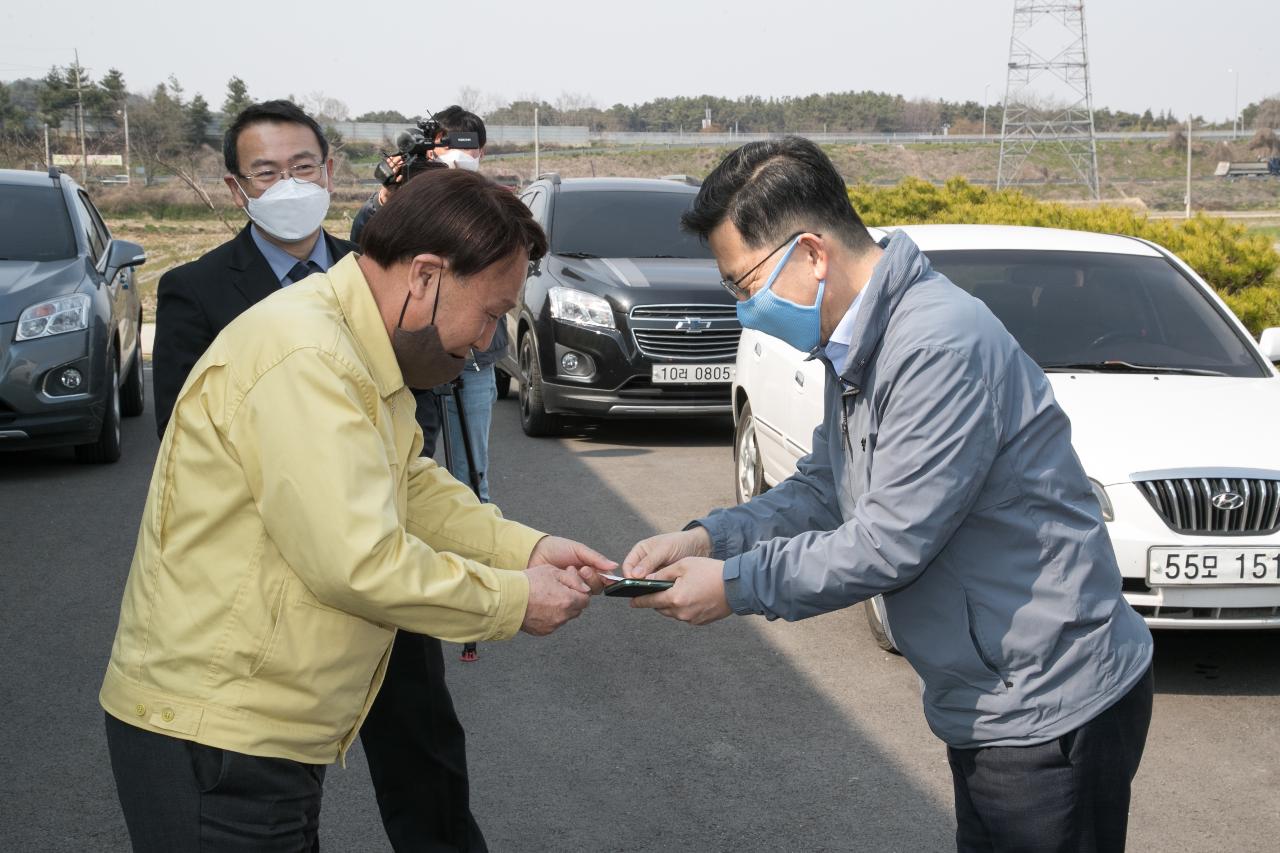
(479, 389)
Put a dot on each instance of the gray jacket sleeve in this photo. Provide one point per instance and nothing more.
(804, 501)
(938, 436)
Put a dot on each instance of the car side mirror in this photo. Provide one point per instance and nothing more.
(1269, 343)
(121, 254)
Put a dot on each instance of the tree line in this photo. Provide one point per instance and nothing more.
(167, 125)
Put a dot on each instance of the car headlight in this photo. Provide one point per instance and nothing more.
(580, 308)
(54, 317)
(1100, 492)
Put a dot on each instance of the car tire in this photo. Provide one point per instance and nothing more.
(502, 380)
(107, 448)
(133, 396)
(748, 467)
(534, 418)
(878, 631)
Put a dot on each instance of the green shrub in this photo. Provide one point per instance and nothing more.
(1242, 267)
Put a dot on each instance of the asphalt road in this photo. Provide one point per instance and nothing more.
(623, 732)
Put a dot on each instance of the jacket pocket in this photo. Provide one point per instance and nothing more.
(277, 614)
(983, 655)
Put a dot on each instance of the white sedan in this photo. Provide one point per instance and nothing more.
(1173, 410)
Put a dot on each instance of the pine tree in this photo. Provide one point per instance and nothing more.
(198, 118)
(237, 98)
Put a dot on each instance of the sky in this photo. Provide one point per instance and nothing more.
(1163, 54)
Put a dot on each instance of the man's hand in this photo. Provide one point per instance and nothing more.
(698, 596)
(660, 551)
(555, 597)
(566, 554)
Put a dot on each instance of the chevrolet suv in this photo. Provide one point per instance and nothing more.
(70, 320)
(625, 316)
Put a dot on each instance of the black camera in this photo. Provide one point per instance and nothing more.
(413, 145)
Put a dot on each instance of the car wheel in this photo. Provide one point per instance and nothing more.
(503, 381)
(107, 447)
(534, 418)
(133, 396)
(747, 465)
(876, 623)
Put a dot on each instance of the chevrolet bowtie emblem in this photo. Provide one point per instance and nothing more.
(693, 324)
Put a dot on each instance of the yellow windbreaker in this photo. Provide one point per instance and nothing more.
(290, 528)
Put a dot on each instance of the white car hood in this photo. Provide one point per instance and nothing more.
(1121, 425)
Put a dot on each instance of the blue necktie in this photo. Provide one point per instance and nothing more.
(302, 270)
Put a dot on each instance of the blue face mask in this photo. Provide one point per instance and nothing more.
(798, 325)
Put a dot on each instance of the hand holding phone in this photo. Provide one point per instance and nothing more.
(620, 587)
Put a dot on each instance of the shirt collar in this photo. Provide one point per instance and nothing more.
(363, 318)
(842, 338)
(281, 262)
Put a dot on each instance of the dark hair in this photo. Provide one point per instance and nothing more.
(461, 216)
(770, 189)
(279, 112)
(456, 118)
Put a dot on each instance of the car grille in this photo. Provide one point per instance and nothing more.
(1186, 504)
(686, 332)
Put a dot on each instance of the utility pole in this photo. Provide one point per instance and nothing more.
(985, 90)
(537, 169)
(1235, 116)
(1188, 196)
(128, 170)
(48, 159)
(84, 159)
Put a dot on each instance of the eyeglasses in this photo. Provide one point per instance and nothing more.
(735, 287)
(308, 172)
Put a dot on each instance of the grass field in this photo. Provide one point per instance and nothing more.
(175, 227)
(173, 242)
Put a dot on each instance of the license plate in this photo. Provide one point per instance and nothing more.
(692, 374)
(1213, 566)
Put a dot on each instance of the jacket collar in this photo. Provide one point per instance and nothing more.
(255, 279)
(361, 312)
(901, 266)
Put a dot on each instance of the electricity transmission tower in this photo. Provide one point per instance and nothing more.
(1048, 101)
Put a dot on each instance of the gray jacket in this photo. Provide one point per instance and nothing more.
(943, 478)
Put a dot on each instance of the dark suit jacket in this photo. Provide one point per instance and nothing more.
(197, 300)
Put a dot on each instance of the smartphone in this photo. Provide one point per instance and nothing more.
(632, 587)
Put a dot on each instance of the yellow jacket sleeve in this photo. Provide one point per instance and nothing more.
(325, 487)
(446, 515)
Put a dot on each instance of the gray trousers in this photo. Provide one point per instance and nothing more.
(178, 795)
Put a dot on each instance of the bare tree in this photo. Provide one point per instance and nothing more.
(324, 107)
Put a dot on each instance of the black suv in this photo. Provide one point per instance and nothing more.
(70, 320)
(625, 317)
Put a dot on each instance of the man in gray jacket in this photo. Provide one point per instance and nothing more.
(942, 478)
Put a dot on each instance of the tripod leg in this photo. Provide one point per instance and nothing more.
(472, 474)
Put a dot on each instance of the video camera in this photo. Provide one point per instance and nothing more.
(413, 145)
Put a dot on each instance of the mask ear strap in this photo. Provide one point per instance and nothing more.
(403, 308)
(436, 305)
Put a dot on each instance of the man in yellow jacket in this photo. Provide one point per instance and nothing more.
(291, 528)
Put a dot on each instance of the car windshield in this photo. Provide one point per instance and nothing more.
(623, 224)
(1114, 313)
(34, 225)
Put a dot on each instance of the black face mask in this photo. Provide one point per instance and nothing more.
(424, 362)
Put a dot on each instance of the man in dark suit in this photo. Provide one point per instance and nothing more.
(279, 171)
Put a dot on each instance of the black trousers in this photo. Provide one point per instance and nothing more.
(1070, 795)
(178, 795)
(417, 752)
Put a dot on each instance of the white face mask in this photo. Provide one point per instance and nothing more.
(290, 209)
(456, 158)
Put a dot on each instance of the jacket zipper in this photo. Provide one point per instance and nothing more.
(846, 395)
